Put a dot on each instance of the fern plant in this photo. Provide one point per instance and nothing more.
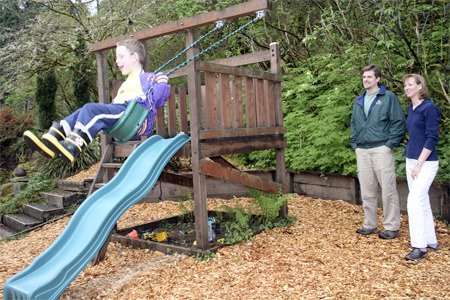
(270, 204)
(238, 229)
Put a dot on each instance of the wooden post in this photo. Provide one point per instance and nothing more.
(199, 179)
(280, 155)
(103, 97)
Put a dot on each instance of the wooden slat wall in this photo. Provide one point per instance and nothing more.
(229, 101)
(173, 117)
(183, 110)
(250, 106)
(225, 101)
(172, 114)
(210, 111)
(238, 110)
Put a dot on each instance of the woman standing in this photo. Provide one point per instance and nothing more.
(421, 164)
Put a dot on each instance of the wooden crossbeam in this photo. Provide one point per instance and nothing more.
(232, 12)
(176, 179)
(236, 176)
(223, 69)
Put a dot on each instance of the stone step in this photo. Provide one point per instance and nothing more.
(19, 222)
(42, 212)
(62, 198)
(74, 186)
(5, 231)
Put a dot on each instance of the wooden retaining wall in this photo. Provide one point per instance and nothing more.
(338, 187)
(330, 187)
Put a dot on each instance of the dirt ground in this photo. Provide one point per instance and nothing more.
(318, 257)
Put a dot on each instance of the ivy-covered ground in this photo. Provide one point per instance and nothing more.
(319, 257)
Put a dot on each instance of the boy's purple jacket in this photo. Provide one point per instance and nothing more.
(156, 95)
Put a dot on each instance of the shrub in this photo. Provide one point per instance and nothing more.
(57, 168)
(12, 126)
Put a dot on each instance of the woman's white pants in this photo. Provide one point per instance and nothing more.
(420, 215)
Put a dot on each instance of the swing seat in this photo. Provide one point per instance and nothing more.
(129, 123)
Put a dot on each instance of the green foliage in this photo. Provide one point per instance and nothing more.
(238, 229)
(57, 168)
(323, 79)
(81, 74)
(443, 150)
(46, 87)
(243, 223)
(264, 159)
(270, 204)
(205, 256)
(13, 237)
(37, 184)
(317, 110)
(187, 211)
(13, 14)
(12, 125)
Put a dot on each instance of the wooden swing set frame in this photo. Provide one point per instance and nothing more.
(239, 111)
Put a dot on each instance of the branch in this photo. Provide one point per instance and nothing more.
(443, 87)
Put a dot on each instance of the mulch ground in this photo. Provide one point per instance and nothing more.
(319, 257)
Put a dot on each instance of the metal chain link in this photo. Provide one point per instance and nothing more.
(259, 15)
(219, 24)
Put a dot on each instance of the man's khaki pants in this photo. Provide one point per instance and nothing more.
(377, 166)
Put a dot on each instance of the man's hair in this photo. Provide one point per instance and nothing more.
(135, 46)
(423, 92)
(375, 70)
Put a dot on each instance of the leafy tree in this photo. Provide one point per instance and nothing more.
(13, 16)
(46, 86)
(81, 74)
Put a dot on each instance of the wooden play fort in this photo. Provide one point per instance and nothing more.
(225, 109)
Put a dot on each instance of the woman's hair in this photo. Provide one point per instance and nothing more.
(135, 46)
(423, 92)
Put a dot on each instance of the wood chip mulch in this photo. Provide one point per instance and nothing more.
(319, 257)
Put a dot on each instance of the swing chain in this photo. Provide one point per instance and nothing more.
(259, 15)
(219, 24)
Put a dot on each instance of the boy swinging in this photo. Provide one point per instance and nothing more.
(71, 135)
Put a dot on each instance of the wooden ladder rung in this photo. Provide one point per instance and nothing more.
(112, 165)
(99, 185)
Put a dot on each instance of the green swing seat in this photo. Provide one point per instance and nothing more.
(129, 123)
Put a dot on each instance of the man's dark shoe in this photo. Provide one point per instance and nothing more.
(366, 231)
(437, 248)
(415, 254)
(388, 234)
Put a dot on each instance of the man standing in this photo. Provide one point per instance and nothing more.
(377, 126)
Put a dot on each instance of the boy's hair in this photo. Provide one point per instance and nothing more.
(423, 92)
(375, 70)
(135, 46)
